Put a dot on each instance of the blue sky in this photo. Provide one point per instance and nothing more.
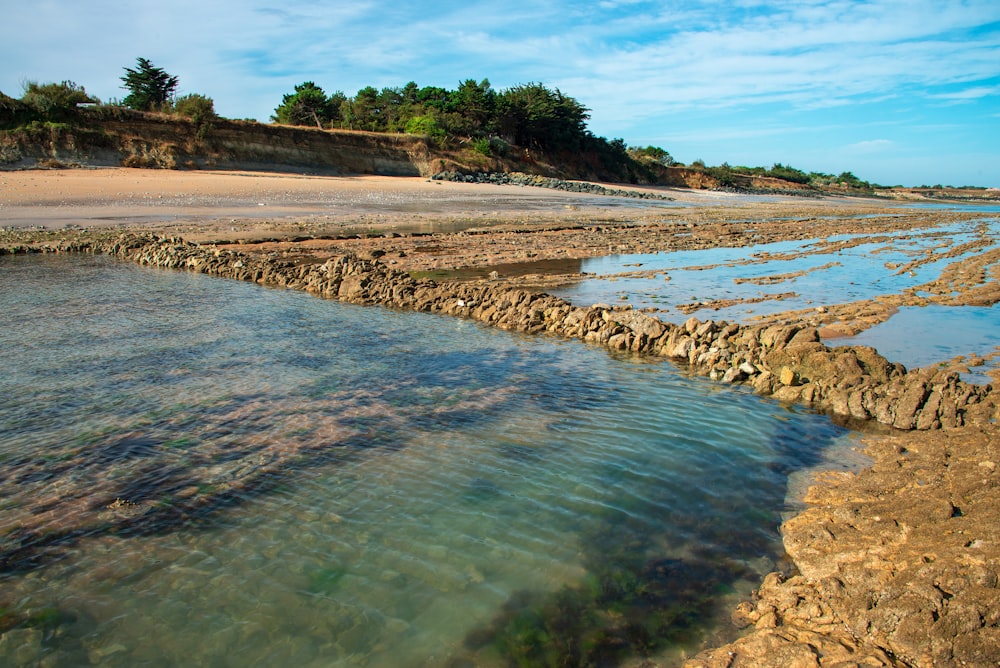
(896, 92)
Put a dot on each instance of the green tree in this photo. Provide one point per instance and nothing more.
(475, 104)
(363, 112)
(308, 105)
(390, 103)
(149, 87)
(434, 97)
(532, 115)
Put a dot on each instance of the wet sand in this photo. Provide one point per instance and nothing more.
(845, 600)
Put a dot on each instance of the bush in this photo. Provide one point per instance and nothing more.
(54, 101)
(196, 107)
(426, 125)
(482, 145)
(653, 154)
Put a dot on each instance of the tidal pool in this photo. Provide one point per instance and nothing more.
(780, 276)
(922, 336)
(738, 284)
(196, 471)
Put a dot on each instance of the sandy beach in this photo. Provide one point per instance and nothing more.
(893, 565)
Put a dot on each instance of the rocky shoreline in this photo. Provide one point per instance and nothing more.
(537, 181)
(876, 583)
(789, 362)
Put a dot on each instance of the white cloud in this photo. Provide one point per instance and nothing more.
(871, 146)
(968, 94)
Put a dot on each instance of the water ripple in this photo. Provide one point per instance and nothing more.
(197, 471)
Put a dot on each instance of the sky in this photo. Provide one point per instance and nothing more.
(896, 92)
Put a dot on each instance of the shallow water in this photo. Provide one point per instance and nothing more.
(204, 472)
(922, 336)
(829, 274)
(809, 274)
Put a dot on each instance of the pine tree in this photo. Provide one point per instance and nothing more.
(149, 87)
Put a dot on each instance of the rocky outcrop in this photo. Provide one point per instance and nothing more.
(896, 564)
(789, 363)
(537, 181)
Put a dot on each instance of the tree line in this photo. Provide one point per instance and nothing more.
(150, 88)
(530, 115)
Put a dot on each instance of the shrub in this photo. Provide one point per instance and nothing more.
(652, 154)
(482, 145)
(54, 101)
(426, 125)
(196, 107)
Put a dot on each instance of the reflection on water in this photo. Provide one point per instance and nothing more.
(781, 276)
(197, 471)
(921, 336)
(737, 284)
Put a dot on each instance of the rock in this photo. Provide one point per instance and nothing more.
(682, 348)
(733, 375)
(788, 377)
(907, 407)
(788, 393)
(640, 323)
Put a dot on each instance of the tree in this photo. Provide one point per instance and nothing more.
(434, 97)
(308, 105)
(364, 112)
(475, 103)
(532, 115)
(149, 87)
(390, 104)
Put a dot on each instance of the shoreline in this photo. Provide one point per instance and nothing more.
(875, 531)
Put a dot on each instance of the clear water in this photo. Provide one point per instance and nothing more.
(922, 336)
(806, 273)
(196, 471)
(809, 274)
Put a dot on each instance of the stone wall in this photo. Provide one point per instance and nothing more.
(789, 363)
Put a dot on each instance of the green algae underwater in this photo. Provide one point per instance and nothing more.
(201, 471)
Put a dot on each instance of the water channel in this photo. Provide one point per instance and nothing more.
(196, 471)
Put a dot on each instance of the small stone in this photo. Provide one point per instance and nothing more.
(187, 492)
(788, 376)
(733, 375)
